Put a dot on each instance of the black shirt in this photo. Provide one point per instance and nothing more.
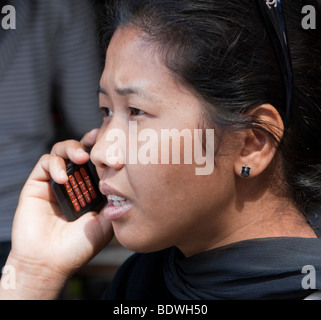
(269, 268)
(141, 277)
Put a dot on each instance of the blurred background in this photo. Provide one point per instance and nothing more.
(50, 66)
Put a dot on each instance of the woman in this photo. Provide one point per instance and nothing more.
(245, 230)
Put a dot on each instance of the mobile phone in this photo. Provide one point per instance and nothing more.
(80, 194)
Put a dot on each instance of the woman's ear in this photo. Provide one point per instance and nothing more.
(258, 146)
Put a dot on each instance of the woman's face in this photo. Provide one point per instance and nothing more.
(158, 205)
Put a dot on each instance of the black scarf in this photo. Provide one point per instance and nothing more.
(269, 268)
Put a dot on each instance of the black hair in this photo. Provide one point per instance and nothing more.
(222, 51)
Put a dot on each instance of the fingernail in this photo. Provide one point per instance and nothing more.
(63, 174)
(81, 151)
(94, 131)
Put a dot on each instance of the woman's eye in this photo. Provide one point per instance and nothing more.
(136, 112)
(106, 112)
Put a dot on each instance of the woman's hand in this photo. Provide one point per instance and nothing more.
(46, 249)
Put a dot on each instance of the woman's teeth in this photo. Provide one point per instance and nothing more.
(117, 201)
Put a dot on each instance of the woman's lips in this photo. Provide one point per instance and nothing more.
(112, 212)
(117, 206)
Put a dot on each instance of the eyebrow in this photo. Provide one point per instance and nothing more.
(126, 91)
(102, 90)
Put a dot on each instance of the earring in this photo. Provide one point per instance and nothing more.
(246, 171)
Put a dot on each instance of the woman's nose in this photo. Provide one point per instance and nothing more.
(109, 149)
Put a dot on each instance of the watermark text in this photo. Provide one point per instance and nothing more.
(8, 278)
(8, 17)
(309, 281)
(165, 146)
(309, 19)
